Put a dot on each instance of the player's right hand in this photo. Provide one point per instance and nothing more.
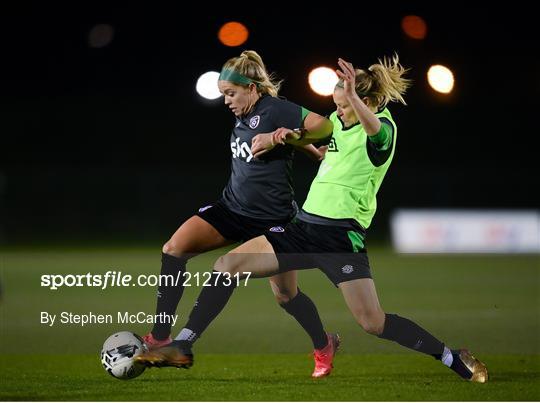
(322, 152)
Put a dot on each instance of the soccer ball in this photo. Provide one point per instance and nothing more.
(118, 353)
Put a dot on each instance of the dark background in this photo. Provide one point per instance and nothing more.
(113, 143)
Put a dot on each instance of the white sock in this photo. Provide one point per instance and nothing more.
(186, 334)
(447, 357)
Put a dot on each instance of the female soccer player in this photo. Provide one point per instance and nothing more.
(258, 197)
(330, 230)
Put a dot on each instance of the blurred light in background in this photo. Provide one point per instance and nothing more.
(414, 26)
(100, 35)
(233, 34)
(322, 80)
(207, 85)
(440, 78)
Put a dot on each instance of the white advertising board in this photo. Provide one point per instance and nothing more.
(466, 231)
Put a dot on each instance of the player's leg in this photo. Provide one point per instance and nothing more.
(361, 298)
(193, 237)
(255, 257)
(301, 307)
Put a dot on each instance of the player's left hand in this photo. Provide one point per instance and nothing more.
(348, 75)
(264, 142)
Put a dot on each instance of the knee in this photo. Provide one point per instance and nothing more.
(173, 249)
(372, 328)
(283, 298)
(283, 294)
(372, 323)
(170, 249)
(225, 264)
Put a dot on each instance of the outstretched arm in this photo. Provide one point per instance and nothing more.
(316, 127)
(365, 115)
(313, 153)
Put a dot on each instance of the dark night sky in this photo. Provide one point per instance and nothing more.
(114, 142)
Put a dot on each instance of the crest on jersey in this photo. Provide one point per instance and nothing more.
(254, 121)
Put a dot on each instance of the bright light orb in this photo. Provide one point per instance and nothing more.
(322, 80)
(414, 26)
(207, 85)
(441, 78)
(233, 34)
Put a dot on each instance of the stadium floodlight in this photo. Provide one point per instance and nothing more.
(100, 35)
(440, 78)
(233, 33)
(414, 26)
(322, 80)
(207, 85)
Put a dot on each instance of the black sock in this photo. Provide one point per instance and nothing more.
(407, 333)
(305, 312)
(459, 366)
(209, 304)
(169, 294)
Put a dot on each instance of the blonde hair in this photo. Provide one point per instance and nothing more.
(383, 82)
(250, 64)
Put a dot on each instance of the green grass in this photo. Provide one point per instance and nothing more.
(269, 377)
(254, 351)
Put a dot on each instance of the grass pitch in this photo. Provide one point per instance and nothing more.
(269, 377)
(255, 351)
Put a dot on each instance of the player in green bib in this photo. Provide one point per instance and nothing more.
(330, 230)
(353, 181)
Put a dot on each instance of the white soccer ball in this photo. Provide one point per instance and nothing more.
(118, 353)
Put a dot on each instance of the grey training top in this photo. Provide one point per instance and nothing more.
(262, 188)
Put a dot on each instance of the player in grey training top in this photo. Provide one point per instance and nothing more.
(262, 187)
(258, 197)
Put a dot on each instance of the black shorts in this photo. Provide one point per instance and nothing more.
(302, 245)
(236, 227)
